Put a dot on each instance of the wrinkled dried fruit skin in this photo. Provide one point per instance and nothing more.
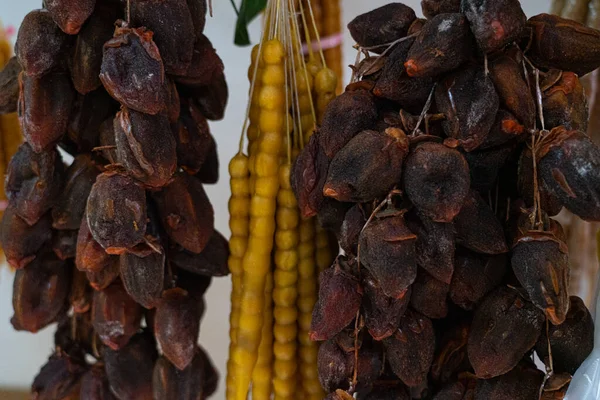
(90, 256)
(505, 327)
(522, 383)
(431, 8)
(563, 44)
(429, 296)
(143, 277)
(40, 293)
(387, 250)
(436, 179)
(40, 43)
(186, 213)
(571, 342)
(370, 364)
(116, 316)
(410, 350)
(145, 147)
(94, 384)
(59, 378)
(382, 25)
(88, 114)
(198, 9)
(44, 108)
(308, 177)
(394, 83)
(100, 280)
(486, 166)
(494, 23)
(64, 244)
(540, 262)
(33, 182)
(70, 15)
(75, 334)
(366, 168)
(211, 375)
(129, 370)
(453, 391)
(569, 165)
(477, 227)
(470, 102)
(211, 99)
(549, 202)
(80, 297)
(331, 215)
(339, 300)
(205, 65)
(171, 22)
(390, 393)
(565, 104)
(212, 261)
(434, 247)
(506, 130)
(116, 212)
(451, 354)
(334, 366)
(475, 275)
(507, 75)
(177, 326)
(107, 138)
(443, 45)
(209, 172)
(349, 232)
(86, 56)
(193, 139)
(9, 86)
(69, 209)
(347, 115)
(382, 313)
(20, 241)
(170, 383)
(132, 53)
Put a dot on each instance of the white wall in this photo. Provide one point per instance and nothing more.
(21, 354)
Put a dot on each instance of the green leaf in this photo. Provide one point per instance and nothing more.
(248, 11)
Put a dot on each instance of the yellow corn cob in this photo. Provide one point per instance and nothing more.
(263, 371)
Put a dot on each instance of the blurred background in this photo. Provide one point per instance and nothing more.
(22, 354)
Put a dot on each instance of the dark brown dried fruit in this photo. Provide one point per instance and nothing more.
(90, 256)
(94, 384)
(346, 116)
(115, 315)
(370, 364)
(211, 99)
(349, 232)
(443, 45)
(506, 129)
(209, 172)
(129, 370)
(429, 296)
(173, 27)
(475, 275)
(382, 313)
(40, 43)
(571, 342)
(195, 285)
(477, 227)
(486, 166)
(396, 392)
(470, 102)
(505, 327)
(116, 212)
(569, 165)
(436, 179)
(44, 108)
(205, 65)
(198, 11)
(145, 147)
(563, 44)
(177, 326)
(103, 278)
(451, 355)
(9, 86)
(81, 293)
(308, 177)
(494, 23)
(382, 25)
(33, 182)
(70, 15)
(565, 104)
(335, 368)
(193, 138)
(434, 247)
(548, 201)
(367, 167)
(86, 56)
(211, 375)
(143, 277)
(410, 350)
(59, 378)
(431, 8)
(132, 70)
(40, 293)
(64, 244)
(507, 75)
(522, 383)
(87, 116)
(540, 262)
(212, 261)
(186, 213)
(339, 300)
(170, 383)
(107, 140)
(20, 241)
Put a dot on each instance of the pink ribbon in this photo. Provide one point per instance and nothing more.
(327, 42)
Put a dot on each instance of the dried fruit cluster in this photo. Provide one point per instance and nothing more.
(119, 247)
(439, 170)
